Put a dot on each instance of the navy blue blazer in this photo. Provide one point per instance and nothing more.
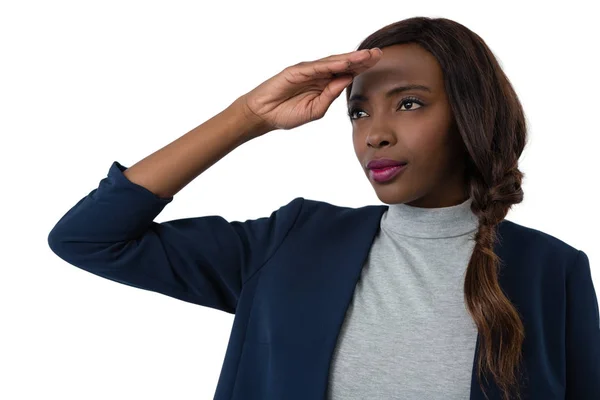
(290, 277)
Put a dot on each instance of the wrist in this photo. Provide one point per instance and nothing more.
(252, 125)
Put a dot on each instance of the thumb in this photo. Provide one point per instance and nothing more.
(333, 90)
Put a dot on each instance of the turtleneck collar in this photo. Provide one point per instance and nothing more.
(406, 220)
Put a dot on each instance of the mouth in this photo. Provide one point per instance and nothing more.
(388, 166)
(380, 163)
(387, 173)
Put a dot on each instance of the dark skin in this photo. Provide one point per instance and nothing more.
(402, 129)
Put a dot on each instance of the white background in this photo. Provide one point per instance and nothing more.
(83, 84)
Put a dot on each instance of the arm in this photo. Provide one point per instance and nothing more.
(205, 260)
(169, 169)
(582, 332)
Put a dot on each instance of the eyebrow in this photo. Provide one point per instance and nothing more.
(391, 92)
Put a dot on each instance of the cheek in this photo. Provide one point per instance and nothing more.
(357, 144)
(429, 136)
(425, 142)
(430, 150)
(354, 145)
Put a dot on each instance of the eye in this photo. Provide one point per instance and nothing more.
(404, 101)
(411, 101)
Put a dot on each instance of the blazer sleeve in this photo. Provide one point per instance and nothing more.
(202, 260)
(582, 332)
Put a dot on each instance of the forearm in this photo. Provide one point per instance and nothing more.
(168, 170)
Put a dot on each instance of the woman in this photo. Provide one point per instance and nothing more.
(433, 296)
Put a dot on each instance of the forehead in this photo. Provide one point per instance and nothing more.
(406, 63)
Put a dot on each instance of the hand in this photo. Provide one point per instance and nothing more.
(303, 92)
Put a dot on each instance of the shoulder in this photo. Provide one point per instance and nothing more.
(321, 217)
(319, 205)
(536, 246)
(325, 211)
(530, 236)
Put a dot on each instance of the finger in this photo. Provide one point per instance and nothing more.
(330, 93)
(343, 56)
(351, 56)
(351, 65)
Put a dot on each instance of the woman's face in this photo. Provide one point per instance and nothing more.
(418, 131)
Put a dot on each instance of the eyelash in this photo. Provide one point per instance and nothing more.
(352, 110)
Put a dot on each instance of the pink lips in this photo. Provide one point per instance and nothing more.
(379, 163)
(386, 174)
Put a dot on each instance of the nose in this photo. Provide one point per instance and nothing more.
(379, 139)
(380, 132)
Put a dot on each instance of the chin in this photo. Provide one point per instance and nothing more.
(391, 194)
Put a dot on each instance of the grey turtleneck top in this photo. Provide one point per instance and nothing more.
(407, 333)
